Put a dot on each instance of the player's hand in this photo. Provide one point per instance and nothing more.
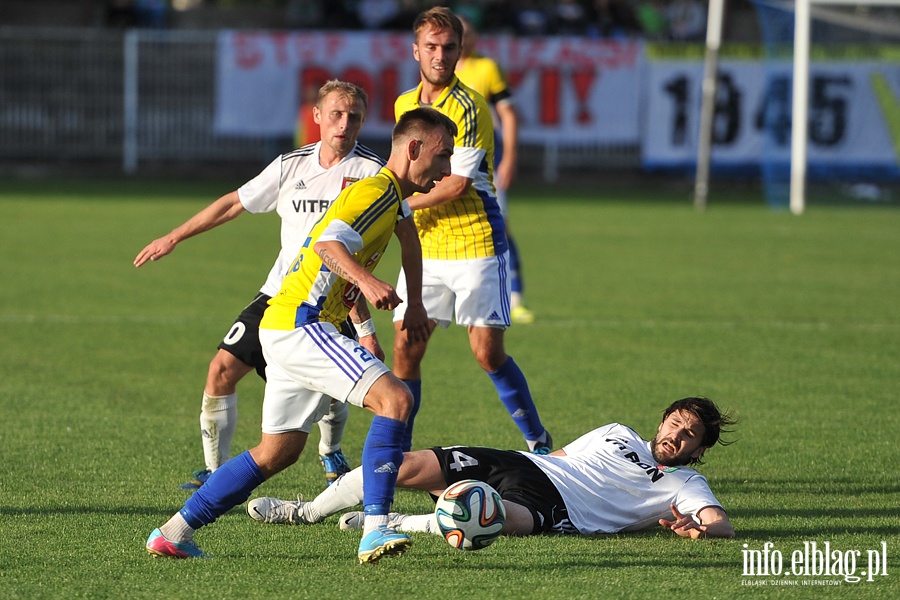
(417, 325)
(155, 250)
(371, 343)
(683, 525)
(380, 294)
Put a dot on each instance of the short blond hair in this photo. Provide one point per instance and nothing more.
(350, 90)
(439, 17)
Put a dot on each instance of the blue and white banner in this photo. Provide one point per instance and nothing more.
(851, 108)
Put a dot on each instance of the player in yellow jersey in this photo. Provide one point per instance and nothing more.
(298, 186)
(307, 358)
(464, 246)
(484, 75)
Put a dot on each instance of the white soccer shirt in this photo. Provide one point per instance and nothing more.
(300, 190)
(610, 482)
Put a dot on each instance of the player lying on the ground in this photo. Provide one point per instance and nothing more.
(606, 481)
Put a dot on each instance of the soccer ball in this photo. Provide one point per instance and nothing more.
(470, 514)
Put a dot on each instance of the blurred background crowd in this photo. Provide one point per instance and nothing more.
(656, 20)
(660, 19)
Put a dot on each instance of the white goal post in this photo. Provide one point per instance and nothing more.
(803, 11)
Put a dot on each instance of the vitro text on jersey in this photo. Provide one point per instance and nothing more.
(310, 206)
(653, 471)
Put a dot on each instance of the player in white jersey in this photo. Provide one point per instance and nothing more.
(299, 186)
(608, 480)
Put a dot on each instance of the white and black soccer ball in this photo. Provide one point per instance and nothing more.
(470, 514)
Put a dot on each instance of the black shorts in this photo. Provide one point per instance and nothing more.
(242, 340)
(515, 478)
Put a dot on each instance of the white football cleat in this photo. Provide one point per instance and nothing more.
(273, 510)
(352, 520)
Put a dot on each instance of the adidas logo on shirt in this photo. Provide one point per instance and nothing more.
(300, 185)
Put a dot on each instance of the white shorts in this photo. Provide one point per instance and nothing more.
(307, 367)
(476, 289)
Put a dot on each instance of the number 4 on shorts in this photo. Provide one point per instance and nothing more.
(461, 461)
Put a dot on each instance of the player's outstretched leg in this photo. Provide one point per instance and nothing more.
(345, 493)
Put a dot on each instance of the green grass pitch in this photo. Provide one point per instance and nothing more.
(793, 322)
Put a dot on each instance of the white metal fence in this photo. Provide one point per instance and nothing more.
(143, 96)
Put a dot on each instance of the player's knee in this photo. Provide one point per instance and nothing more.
(273, 458)
(222, 377)
(519, 520)
(487, 346)
(489, 358)
(390, 397)
(407, 356)
(400, 401)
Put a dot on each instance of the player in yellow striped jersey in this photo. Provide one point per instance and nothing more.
(299, 186)
(464, 246)
(308, 360)
(484, 75)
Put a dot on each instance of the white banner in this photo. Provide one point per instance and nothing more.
(848, 126)
(567, 90)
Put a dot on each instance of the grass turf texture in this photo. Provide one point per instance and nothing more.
(792, 321)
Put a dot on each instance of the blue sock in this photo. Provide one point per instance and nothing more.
(515, 275)
(230, 485)
(513, 389)
(415, 387)
(381, 460)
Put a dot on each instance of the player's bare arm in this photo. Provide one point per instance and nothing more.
(711, 522)
(446, 190)
(360, 314)
(506, 170)
(339, 261)
(221, 211)
(415, 322)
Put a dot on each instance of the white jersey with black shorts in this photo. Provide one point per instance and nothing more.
(607, 482)
(300, 190)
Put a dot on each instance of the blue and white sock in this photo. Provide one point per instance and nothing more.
(228, 486)
(516, 397)
(381, 460)
(415, 388)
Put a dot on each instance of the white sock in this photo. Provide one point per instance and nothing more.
(373, 522)
(218, 419)
(422, 523)
(542, 439)
(331, 427)
(344, 493)
(176, 529)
